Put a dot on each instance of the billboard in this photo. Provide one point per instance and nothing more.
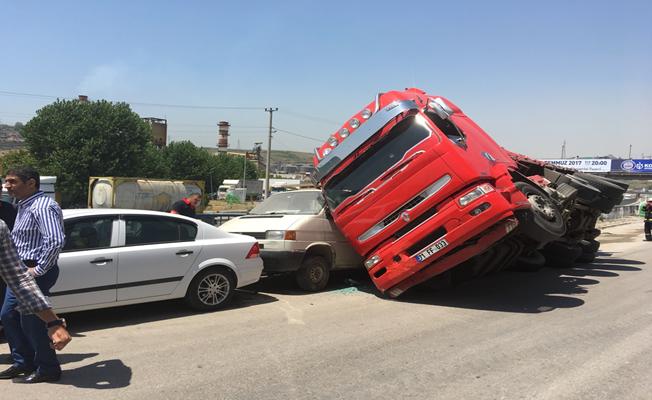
(583, 164)
(633, 166)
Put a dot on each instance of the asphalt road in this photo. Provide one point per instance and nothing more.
(581, 333)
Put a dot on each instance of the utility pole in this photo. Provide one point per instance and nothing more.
(630, 152)
(244, 176)
(563, 150)
(270, 110)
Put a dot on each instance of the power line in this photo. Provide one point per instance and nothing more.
(296, 134)
(45, 96)
(182, 106)
(138, 103)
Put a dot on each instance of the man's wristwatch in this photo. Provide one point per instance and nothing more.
(56, 322)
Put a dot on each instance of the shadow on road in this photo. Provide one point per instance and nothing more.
(522, 292)
(285, 284)
(85, 321)
(108, 374)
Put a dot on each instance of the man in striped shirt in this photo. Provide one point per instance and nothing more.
(39, 237)
(23, 285)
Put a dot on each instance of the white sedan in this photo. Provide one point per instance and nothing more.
(115, 257)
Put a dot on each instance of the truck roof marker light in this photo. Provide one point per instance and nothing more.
(366, 113)
(475, 194)
(326, 151)
(354, 122)
(372, 261)
(440, 107)
(344, 133)
(319, 157)
(332, 141)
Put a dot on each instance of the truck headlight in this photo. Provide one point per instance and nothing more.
(281, 235)
(372, 261)
(475, 194)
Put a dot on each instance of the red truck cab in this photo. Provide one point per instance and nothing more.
(416, 187)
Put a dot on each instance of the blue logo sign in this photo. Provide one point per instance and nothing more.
(633, 166)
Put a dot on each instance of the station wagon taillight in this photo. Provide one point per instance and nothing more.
(254, 252)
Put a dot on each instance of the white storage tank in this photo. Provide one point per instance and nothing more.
(137, 193)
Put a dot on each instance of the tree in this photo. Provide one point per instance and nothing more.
(187, 161)
(20, 157)
(75, 140)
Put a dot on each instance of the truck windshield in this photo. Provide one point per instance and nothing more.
(380, 157)
(310, 202)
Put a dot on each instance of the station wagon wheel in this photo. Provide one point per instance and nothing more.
(313, 274)
(211, 289)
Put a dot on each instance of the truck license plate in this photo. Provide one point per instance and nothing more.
(432, 250)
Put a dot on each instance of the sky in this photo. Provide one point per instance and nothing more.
(532, 74)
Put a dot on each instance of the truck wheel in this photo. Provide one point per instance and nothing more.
(313, 274)
(561, 255)
(588, 252)
(211, 289)
(547, 222)
(529, 262)
(607, 187)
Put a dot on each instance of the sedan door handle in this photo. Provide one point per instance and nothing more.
(100, 260)
(184, 253)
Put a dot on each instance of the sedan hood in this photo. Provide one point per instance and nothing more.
(261, 223)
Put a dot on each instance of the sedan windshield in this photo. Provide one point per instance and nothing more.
(379, 158)
(291, 203)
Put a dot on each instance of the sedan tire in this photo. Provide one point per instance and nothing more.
(211, 289)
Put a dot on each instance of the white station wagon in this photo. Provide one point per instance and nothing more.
(115, 257)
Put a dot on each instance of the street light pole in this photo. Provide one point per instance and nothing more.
(270, 110)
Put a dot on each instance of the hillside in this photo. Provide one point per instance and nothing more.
(278, 156)
(10, 138)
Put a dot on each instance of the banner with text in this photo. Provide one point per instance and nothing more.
(633, 166)
(583, 164)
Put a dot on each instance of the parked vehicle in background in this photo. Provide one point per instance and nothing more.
(252, 189)
(421, 191)
(115, 257)
(138, 193)
(296, 234)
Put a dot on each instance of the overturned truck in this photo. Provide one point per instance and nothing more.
(425, 195)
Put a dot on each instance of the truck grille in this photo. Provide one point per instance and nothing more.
(411, 204)
(415, 222)
(415, 248)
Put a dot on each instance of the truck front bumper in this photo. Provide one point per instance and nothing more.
(464, 236)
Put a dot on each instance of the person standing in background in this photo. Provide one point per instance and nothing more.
(38, 235)
(187, 205)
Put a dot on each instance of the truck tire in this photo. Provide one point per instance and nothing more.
(591, 196)
(561, 255)
(529, 262)
(588, 252)
(547, 223)
(313, 274)
(607, 186)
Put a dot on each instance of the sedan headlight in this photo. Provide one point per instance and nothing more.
(281, 235)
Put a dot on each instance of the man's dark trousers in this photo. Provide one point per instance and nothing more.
(27, 334)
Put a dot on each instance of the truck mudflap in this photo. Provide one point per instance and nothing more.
(462, 253)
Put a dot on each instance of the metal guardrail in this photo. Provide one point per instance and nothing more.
(219, 218)
(621, 212)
